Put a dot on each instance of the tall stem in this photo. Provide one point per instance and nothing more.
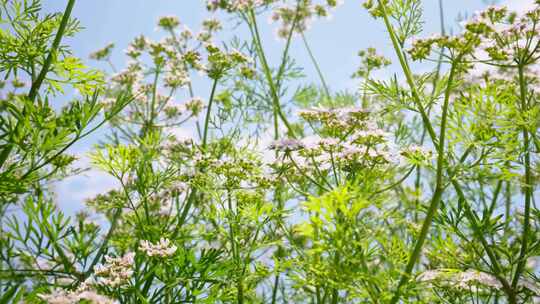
(208, 112)
(439, 189)
(433, 91)
(193, 194)
(409, 77)
(275, 288)
(317, 67)
(438, 145)
(281, 72)
(52, 53)
(154, 97)
(266, 70)
(528, 187)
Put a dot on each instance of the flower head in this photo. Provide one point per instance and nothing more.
(163, 248)
(116, 271)
(286, 145)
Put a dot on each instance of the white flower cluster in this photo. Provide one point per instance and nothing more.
(338, 117)
(355, 142)
(163, 248)
(301, 15)
(460, 279)
(492, 35)
(505, 36)
(179, 54)
(190, 107)
(61, 296)
(471, 279)
(116, 271)
(83, 293)
(286, 145)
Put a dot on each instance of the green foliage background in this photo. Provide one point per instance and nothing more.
(419, 188)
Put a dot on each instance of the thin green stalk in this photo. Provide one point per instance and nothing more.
(275, 288)
(317, 67)
(439, 189)
(285, 54)
(335, 296)
(441, 55)
(507, 203)
(528, 182)
(281, 71)
(154, 98)
(364, 90)
(494, 199)
(193, 193)
(408, 76)
(240, 292)
(438, 145)
(235, 250)
(417, 183)
(208, 112)
(441, 18)
(321, 186)
(267, 72)
(52, 53)
(185, 211)
(278, 80)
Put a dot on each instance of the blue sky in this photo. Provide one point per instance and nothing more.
(335, 43)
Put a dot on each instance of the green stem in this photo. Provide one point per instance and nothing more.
(266, 69)
(528, 188)
(507, 203)
(208, 112)
(394, 184)
(433, 91)
(439, 189)
(280, 73)
(408, 76)
(193, 193)
(185, 211)
(325, 86)
(275, 288)
(154, 98)
(335, 296)
(52, 54)
(240, 292)
(494, 199)
(285, 55)
(364, 90)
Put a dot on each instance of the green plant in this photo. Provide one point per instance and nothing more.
(419, 189)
